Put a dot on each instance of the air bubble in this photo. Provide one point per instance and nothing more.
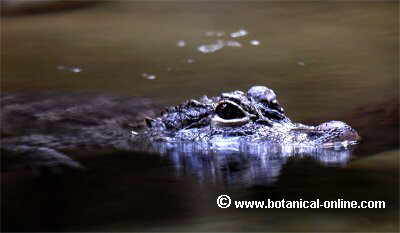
(255, 42)
(213, 33)
(301, 63)
(211, 48)
(239, 33)
(149, 76)
(232, 43)
(73, 69)
(181, 43)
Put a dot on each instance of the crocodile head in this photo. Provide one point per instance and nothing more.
(255, 115)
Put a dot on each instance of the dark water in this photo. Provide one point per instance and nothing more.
(326, 61)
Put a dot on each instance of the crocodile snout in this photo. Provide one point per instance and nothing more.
(338, 131)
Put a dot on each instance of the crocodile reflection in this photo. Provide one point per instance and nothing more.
(237, 162)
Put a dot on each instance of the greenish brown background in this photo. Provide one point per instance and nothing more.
(350, 55)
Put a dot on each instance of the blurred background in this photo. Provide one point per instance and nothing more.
(324, 59)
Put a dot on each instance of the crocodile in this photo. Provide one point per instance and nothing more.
(52, 129)
(255, 115)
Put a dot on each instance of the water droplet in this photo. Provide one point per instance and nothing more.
(239, 33)
(232, 43)
(181, 43)
(255, 42)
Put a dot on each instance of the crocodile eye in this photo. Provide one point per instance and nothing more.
(229, 110)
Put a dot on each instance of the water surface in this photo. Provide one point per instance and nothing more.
(336, 60)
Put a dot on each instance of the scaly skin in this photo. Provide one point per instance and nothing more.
(42, 130)
(252, 116)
